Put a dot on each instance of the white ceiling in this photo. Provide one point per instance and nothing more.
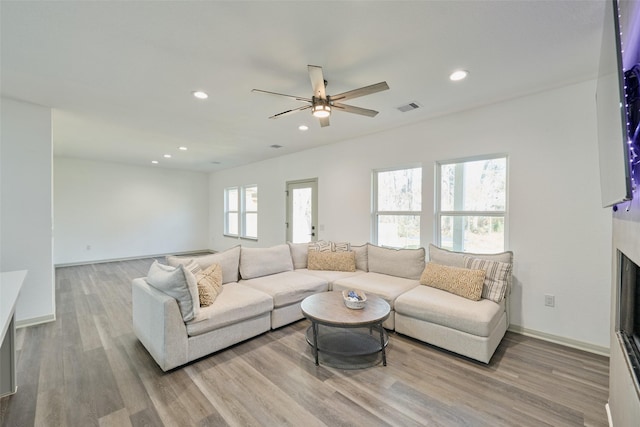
(119, 75)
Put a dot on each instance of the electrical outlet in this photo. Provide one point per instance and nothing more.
(549, 300)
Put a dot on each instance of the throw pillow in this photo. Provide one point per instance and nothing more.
(463, 282)
(179, 283)
(332, 261)
(193, 267)
(320, 246)
(340, 246)
(228, 259)
(209, 284)
(497, 276)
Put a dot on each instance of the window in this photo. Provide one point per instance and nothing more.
(231, 208)
(471, 200)
(397, 206)
(241, 212)
(250, 212)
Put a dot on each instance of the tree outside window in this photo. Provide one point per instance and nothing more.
(397, 207)
(471, 207)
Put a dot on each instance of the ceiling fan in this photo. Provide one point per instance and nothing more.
(322, 105)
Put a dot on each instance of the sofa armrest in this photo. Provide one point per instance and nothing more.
(158, 324)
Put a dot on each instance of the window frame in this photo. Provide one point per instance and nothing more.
(244, 211)
(228, 210)
(376, 213)
(240, 211)
(439, 213)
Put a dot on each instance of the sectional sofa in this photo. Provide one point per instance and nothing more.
(262, 289)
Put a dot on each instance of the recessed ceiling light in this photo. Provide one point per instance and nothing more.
(182, 148)
(155, 162)
(303, 127)
(200, 94)
(458, 75)
(167, 156)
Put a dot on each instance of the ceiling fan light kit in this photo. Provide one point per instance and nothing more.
(321, 108)
(321, 104)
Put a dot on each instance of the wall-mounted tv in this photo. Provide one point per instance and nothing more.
(613, 138)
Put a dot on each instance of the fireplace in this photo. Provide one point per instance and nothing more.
(628, 328)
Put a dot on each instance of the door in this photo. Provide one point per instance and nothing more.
(302, 211)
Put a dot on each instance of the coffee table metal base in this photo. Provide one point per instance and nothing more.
(348, 348)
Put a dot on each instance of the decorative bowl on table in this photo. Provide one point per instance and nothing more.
(354, 299)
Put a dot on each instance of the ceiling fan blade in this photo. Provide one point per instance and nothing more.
(355, 93)
(317, 81)
(324, 122)
(297, 98)
(288, 112)
(355, 110)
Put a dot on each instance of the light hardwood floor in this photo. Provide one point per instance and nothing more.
(88, 369)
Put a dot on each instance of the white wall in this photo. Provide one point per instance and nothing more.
(25, 206)
(123, 211)
(559, 233)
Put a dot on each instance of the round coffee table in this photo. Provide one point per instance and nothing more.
(345, 337)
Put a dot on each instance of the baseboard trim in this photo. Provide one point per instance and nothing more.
(567, 342)
(35, 321)
(102, 261)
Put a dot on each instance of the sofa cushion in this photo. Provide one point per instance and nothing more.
(258, 262)
(463, 282)
(385, 286)
(446, 309)
(456, 259)
(229, 261)
(407, 263)
(288, 287)
(496, 279)
(334, 261)
(330, 276)
(209, 284)
(299, 254)
(235, 304)
(179, 283)
(361, 256)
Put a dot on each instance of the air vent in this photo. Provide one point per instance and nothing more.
(275, 146)
(409, 107)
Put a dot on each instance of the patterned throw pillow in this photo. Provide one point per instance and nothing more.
(496, 279)
(320, 246)
(332, 261)
(459, 281)
(209, 284)
(340, 246)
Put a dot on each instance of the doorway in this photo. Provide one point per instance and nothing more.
(302, 211)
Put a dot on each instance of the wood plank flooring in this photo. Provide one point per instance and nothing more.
(88, 369)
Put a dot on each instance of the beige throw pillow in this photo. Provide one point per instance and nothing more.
(331, 261)
(463, 282)
(209, 284)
